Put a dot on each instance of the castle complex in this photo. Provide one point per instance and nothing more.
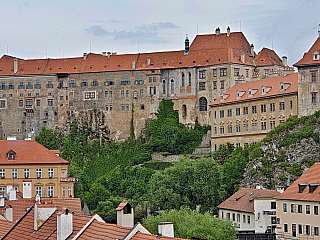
(105, 92)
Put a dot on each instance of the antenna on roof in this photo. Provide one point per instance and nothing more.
(198, 28)
(28, 54)
(138, 47)
(7, 49)
(240, 25)
(90, 46)
(272, 43)
(45, 49)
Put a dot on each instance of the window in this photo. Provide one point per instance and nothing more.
(203, 104)
(215, 130)
(20, 103)
(38, 173)
(164, 87)
(221, 113)
(38, 102)
(125, 81)
(236, 72)
(214, 85)
(238, 129)
(190, 80)
(214, 72)
(182, 79)
(272, 107)
(50, 173)
(292, 208)
(266, 73)
(313, 97)
(172, 87)
(245, 110)
(315, 210)
(285, 207)
(294, 230)
(248, 220)
(49, 85)
(14, 173)
(308, 209)
(313, 76)
(63, 191)
(263, 108)
(2, 190)
(272, 125)
(29, 102)
(21, 85)
(281, 121)
(221, 129)
(29, 85)
(127, 93)
(238, 217)
(127, 107)
(2, 103)
(39, 191)
(150, 79)
(108, 94)
(11, 86)
(291, 104)
(122, 107)
(316, 231)
(141, 92)
(273, 220)
(254, 109)
(263, 125)
(50, 191)
(89, 95)
(50, 102)
(142, 106)
(70, 191)
(285, 227)
(71, 94)
(281, 106)
(122, 93)
(228, 215)
(233, 217)
(139, 81)
(247, 72)
(202, 74)
(254, 126)
(237, 111)
(202, 86)
(223, 72)
(2, 173)
(229, 112)
(299, 208)
(244, 219)
(229, 128)
(307, 229)
(109, 82)
(300, 229)
(26, 173)
(61, 98)
(222, 84)
(245, 127)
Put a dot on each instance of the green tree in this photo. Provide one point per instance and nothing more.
(96, 194)
(191, 223)
(107, 211)
(49, 139)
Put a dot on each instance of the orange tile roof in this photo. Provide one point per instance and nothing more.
(311, 177)
(5, 227)
(243, 199)
(268, 57)
(307, 58)
(122, 205)
(145, 236)
(27, 152)
(275, 83)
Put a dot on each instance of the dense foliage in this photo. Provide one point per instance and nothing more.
(191, 223)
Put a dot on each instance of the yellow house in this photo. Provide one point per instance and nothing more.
(30, 168)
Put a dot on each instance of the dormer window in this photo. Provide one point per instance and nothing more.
(249, 91)
(302, 186)
(11, 155)
(313, 187)
(238, 93)
(315, 55)
(281, 85)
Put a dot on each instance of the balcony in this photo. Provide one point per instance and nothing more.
(67, 179)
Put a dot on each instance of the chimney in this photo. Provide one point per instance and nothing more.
(217, 31)
(85, 56)
(243, 58)
(125, 214)
(37, 198)
(114, 53)
(166, 229)
(252, 50)
(27, 185)
(41, 214)
(64, 225)
(9, 213)
(15, 65)
(104, 54)
(108, 54)
(148, 61)
(12, 194)
(133, 65)
(285, 61)
(228, 31)
(186, 46)
(1, 200)
(9, 187)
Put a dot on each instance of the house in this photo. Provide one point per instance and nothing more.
(32, 169)
(251, 210)
(248, 111)
(298, 207)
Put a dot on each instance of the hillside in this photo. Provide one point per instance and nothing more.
(286, 153)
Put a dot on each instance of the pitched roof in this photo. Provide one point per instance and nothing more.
(273, 84)
(307, 58)
(243, 199)
(5, 227)
(27, 152)
(145, 236)
(20, 206)
(268, 57)
(122, 205)
(312, 176)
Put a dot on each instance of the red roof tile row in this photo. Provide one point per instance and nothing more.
(307, 58)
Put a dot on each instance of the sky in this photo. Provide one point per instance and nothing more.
(60, 28)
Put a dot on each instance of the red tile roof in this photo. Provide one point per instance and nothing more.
(268, 57)
(5, 227)
(307, 58)
(312, 176)
(122, 205)
(145, 236)
(243, 199)
(27, 152)
(274, 82)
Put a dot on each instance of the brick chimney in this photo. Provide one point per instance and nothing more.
(15, 66)
(252, 50)
(104, 54)
(217, 31)
(148, 61)
(64, 225)
(166, 229)
(108, 54)
(285, 61)
(228, 31)
(1, 200)
(85, 55)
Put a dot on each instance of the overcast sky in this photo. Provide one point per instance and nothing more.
(65, 28)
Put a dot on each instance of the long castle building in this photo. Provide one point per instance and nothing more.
(103, 92)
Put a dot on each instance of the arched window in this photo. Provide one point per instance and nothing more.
(172, 86)
(184, 110)
(203, 104)
(182, 79)
(189, 79)
(164, 86)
